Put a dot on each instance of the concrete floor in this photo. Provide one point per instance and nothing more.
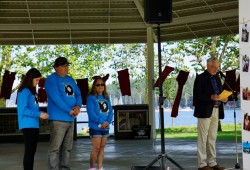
(123, 154)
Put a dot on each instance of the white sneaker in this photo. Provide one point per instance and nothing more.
(101, 169)
(92, 168)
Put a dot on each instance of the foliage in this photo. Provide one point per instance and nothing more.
(99, 59)
(190, 132)
(170, 90)
(137, 96)
(13, 58)
(225, 48)
(86, 60)
(196, 51)
(133, 57)
(172, 56)
(187, 94)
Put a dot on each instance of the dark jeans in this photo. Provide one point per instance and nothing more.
(30, 142)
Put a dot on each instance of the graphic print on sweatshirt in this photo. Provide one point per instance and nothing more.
(103, 106)
(68, 90)
(36, 99)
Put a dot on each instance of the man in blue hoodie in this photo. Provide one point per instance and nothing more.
(64, 103)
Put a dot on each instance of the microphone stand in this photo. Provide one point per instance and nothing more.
(237, 165)
(163, 155)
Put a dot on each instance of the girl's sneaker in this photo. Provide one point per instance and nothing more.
(101, 169)
(92, 168)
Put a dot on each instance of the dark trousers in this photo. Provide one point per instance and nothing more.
(30, 143)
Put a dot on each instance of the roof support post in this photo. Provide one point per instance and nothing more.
(150, 84)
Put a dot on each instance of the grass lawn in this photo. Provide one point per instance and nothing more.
(190, 132)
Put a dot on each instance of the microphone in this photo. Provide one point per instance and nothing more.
(222, 75)
(234, 95)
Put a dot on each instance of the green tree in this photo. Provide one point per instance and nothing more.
(225, 48)
(86, 60)
(172, 55)
(13, 58)
(133, 57)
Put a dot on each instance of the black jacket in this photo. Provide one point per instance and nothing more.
(202, 92)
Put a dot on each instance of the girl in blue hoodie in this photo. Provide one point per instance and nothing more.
(29, 115)
(100, 113)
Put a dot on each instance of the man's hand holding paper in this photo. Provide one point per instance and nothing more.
(224, 95)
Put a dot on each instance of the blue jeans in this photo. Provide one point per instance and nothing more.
(61, 140)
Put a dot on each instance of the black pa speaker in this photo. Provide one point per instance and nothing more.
(157, 11)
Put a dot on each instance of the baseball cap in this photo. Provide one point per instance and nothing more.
(61, 61)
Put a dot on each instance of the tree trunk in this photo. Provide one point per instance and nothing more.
(219, 126)
(2, 102)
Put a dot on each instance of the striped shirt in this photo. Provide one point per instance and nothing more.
(216, 89)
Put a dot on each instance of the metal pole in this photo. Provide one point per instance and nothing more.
(237, 165)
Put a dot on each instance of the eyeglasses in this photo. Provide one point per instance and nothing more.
(98, 85)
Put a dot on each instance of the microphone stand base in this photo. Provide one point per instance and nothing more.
(237, 166)
(143, 167)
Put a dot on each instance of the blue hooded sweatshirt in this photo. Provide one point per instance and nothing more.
(99, 110)
(27, 110)
(63, 94)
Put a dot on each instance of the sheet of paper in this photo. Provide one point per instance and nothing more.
(225, 94)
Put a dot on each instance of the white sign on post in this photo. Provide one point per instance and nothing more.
(244, 28)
